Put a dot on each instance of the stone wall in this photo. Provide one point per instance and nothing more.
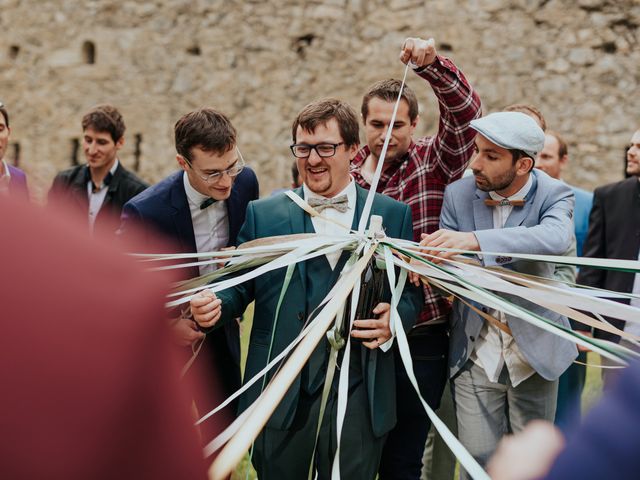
(260, 62)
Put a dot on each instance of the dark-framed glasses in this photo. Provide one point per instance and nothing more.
(216, 176)
(303, 150)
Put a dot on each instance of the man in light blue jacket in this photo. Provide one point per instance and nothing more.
(505, 372)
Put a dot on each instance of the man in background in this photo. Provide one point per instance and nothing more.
(99, 189)
(614, 232)
(416, 172)
(200, 208)
(554, 159)
(12, 180)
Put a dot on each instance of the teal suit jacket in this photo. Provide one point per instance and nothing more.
(279, 215)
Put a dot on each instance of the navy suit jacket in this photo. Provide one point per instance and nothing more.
(164, 209)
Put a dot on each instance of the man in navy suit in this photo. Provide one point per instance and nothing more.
(12, 179)
(200, 209)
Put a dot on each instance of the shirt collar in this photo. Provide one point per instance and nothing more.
(519, 195)
(195, 197)
(7, 172)
(349, 191)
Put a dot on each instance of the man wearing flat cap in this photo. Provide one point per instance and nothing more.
(504, 371)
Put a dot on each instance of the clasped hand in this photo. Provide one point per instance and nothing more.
(444, 239)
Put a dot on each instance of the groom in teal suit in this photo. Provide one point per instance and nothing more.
(325, 137)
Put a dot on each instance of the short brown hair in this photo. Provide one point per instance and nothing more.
(388, 90)
(205, 128)
(528, 109)
(321, 111)
(105, 118)
(562, 145)
(5, 114)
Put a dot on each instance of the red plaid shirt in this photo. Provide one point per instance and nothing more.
(421, 175)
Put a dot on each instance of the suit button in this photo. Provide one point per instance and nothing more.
(300, 316)
(472, 338)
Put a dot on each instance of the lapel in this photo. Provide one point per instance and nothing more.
(297, 222)
(518, 214)
(233, 207)
(181, 216)
(112, 192)
(482, 214)
(630, 220)
(79, 186)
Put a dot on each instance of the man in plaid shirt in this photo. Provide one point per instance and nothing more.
(417, 172)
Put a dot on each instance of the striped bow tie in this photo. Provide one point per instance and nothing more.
(340, 203)
(505, 202)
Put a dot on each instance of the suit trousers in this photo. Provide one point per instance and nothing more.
(486, 411)
(403, 451)
(286, 454)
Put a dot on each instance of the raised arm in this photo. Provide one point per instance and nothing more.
(450, 150)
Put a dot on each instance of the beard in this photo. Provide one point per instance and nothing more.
(497, 183)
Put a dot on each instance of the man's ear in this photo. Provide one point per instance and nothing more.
(181, 161)
(353, 151)
(526, 164)
(120, 143)
(564, 162)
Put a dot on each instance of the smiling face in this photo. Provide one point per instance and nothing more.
(326, 176)
(377, 122)
(205, 163)
(99, 149)
(494, 169)
(633, 155)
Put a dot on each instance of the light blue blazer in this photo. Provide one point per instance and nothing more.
(544, 225)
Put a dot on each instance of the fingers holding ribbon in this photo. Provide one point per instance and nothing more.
(418, 51)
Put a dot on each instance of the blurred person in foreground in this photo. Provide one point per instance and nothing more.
(606, 445)
(90, 389)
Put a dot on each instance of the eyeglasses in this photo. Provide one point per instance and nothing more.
(216, 176)
(303, 150)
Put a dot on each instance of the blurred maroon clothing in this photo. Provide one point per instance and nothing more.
(89, 384)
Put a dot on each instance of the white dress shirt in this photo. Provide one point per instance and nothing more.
(96, 199)
(5, 178)
(494, 347)
(210, 226)
(323, 227)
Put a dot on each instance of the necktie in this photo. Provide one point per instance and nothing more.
(209, 201)
(340, 203)
(505, 202)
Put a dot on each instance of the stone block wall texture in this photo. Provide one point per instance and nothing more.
(262, 61)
